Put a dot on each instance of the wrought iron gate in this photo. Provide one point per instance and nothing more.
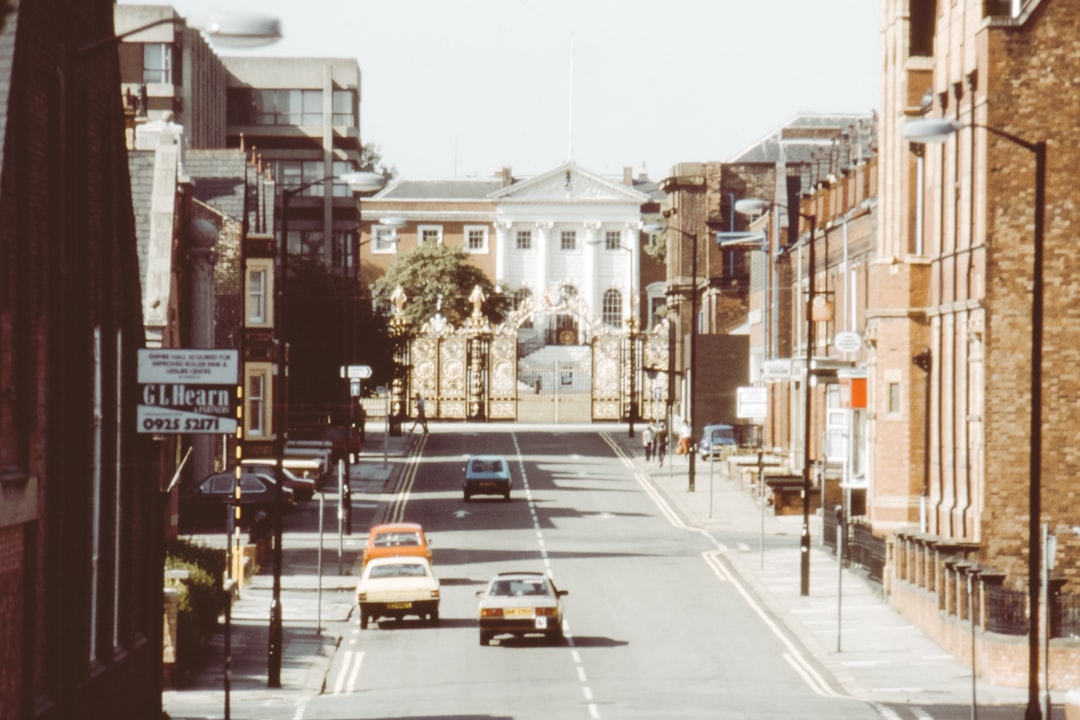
(476, 373)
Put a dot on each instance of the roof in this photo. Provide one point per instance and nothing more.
(445, 190)
(797, 140)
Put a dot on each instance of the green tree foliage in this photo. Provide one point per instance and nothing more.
(656, 248)
(371, 160)
(440, 279)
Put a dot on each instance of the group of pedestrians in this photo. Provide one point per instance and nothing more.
(655, 439)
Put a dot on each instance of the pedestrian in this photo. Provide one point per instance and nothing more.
(686, 434)
(421, 418)
(648, 438)
(661, 442)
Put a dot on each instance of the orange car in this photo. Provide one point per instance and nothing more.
(395, 539)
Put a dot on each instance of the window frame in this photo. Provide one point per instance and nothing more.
(566, 234)
(421, 230)
(484, 248)
(384, 240)
(264, 267)
(527, 235)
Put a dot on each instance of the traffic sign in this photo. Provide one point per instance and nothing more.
(357, 372)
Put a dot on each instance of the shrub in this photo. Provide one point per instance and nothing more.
(200, 601)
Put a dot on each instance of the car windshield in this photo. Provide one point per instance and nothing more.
(510, 588)
(396, 539)
(398, 570)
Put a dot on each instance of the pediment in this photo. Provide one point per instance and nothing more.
(569, 183)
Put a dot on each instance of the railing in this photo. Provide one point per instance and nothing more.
(1065, 623)
(1006, 611)
(868, 551)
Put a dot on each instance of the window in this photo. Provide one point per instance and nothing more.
(344, 107)
(430, 234)
(343, 250)
(476, 238)
(256, 295)
(157, 63)
(256, 412)
(282, 107)
(613, 240)
(385, 239)
(894, 398)
(612, 315)
(524, 240)
(294, 173)
(568, 240)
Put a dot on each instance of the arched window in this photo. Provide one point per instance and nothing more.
(612, 308)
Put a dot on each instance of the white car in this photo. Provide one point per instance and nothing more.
(397, 587)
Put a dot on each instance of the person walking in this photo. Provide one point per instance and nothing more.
(648, 438)
(661, 442)
(686, 435)
(421, 418)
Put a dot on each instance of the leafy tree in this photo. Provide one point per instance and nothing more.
(440, 279)
(657, 247)
(371, 160)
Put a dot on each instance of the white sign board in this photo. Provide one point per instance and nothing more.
(777, 369)
(187, 391)
(847, 341)
(358, 372)
(752, 403)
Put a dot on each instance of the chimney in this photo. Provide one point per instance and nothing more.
(628, 175)
(506, 176)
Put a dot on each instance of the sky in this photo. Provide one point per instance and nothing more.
(462, 88)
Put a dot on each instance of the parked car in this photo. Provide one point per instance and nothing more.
(336, 436)
(717, 441)
(207, 501)
(396, 540)
(303, 487)
(398, 587)
(521, 603)
(486, 475)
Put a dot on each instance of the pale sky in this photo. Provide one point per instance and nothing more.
(460, 88)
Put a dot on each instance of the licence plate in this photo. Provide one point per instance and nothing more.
(518, 612)
(399, 606)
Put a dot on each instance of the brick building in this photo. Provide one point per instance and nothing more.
(952, 287)
(80, 500)
(700, 201)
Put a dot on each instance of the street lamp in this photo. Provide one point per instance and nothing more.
(358, 182)
(651, 229)
(928, 130)
(756, 206)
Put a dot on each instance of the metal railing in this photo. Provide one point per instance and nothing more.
(1006, 611)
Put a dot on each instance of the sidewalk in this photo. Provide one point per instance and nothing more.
(882, 657)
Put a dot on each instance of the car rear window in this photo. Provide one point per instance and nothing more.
(398, 570)
(519, 587)
(396, 539)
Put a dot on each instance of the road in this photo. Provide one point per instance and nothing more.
(660, 620)
(654, 623)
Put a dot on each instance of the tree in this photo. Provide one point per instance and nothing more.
(440, 279)
(371, 160)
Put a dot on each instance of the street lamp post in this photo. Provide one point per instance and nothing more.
(755, 206)
(937, 131)
(358, 182)
(655, 228)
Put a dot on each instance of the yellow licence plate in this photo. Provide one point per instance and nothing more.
(399, 606)
(519, 612)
